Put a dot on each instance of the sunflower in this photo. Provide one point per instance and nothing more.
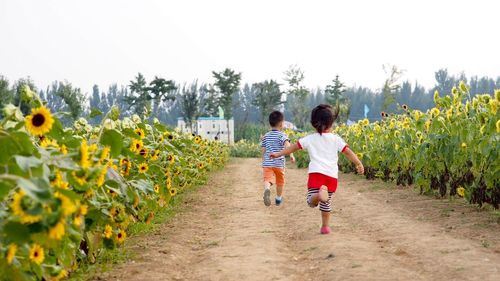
(11, 253)
(173, 191)
(120, 236)
(63, 149)
(80, 178)
(150, 218)
(140, 133)
(61, 275)
(67, 206)
(108, 231)
(144, 152)
(171, 158)
(46, 142)
(17, 207)
(197, 139)
(200, 165)
(435, 112)
(102, 177)
(157, 188)
(464, 145)
(498, 126)
(57, 231)
(168, 183)
(461, 191)
(161, 139)
(155, 155)
(405, 107)
(36, 254)
(84, 155)
(136, 145)
(143, 167)
(39, 122)
(104, 153)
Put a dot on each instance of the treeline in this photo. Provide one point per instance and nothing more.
(168, 100)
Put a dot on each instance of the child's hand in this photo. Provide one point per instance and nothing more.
(274, 155)
(360, 168)
(292, 158)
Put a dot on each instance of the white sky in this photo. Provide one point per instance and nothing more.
(108, 41)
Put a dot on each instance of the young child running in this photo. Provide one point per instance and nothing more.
(323, 148)
(274, 141)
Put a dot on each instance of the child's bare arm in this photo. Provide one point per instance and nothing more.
(292, 157)
(263, 150)
(354, 159)
(291, 149)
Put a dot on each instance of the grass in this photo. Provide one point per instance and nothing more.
(107, 259)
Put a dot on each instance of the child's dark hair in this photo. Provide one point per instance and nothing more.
(275, 118)
(322, 117)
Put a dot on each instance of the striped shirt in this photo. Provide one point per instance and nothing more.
(274, 141)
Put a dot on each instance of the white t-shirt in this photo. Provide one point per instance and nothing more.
(323, 151)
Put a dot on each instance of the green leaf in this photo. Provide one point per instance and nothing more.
(7, 148)
(94, 112)
(17, 232)
(114, 140)
(26, 163)
(5, 188)
(35, 188)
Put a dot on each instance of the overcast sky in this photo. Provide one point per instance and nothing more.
(103, 41)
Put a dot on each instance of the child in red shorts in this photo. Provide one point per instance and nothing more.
(323, 148)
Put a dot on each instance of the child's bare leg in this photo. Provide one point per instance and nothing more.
(279, 190)
(325, 218)
(267, 185)
(315, 199)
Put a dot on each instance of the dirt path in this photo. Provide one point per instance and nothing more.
(380, 232)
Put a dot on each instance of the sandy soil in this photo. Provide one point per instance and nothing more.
(379, 232)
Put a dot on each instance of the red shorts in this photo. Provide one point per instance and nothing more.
(317, 180)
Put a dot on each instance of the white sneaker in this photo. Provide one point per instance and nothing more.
(267, 197)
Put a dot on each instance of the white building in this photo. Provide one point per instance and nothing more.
(210, 128)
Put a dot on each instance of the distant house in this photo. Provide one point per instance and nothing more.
(212, 128)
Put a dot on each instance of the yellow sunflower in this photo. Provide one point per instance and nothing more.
(120, 236)
(155, 155)
(108, 231)
(136, 145)
(36, 254)
(11, 253)
(173, 191)
(102, 177)
(144, 152)
(67, 206)
(461, 191)
(57, 231)
(84, 155)
(39, 122)
(17, 209)
(171, 158)
(61, 275)
(197, 139)
(80, 178)
(157, 188)
(168, 183)
(139, 132)
(200, 165)
(143, 167)
(161, 139)
(63, 149)
(104, 153)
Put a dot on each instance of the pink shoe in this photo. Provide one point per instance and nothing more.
(325, 230)
(323, 194)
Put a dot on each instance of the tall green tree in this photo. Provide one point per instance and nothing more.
(190, 104)
(227, 83)
(392, 86)
(267, 98)
(6, 93)
(295, 78)
(142, 94)
(73, 98)
(335, 96)
(18, 93)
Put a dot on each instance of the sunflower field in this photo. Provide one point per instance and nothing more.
(452, 149)
(68, 194)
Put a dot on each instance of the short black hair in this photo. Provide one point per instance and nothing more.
(275, 118)
(322, 117)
